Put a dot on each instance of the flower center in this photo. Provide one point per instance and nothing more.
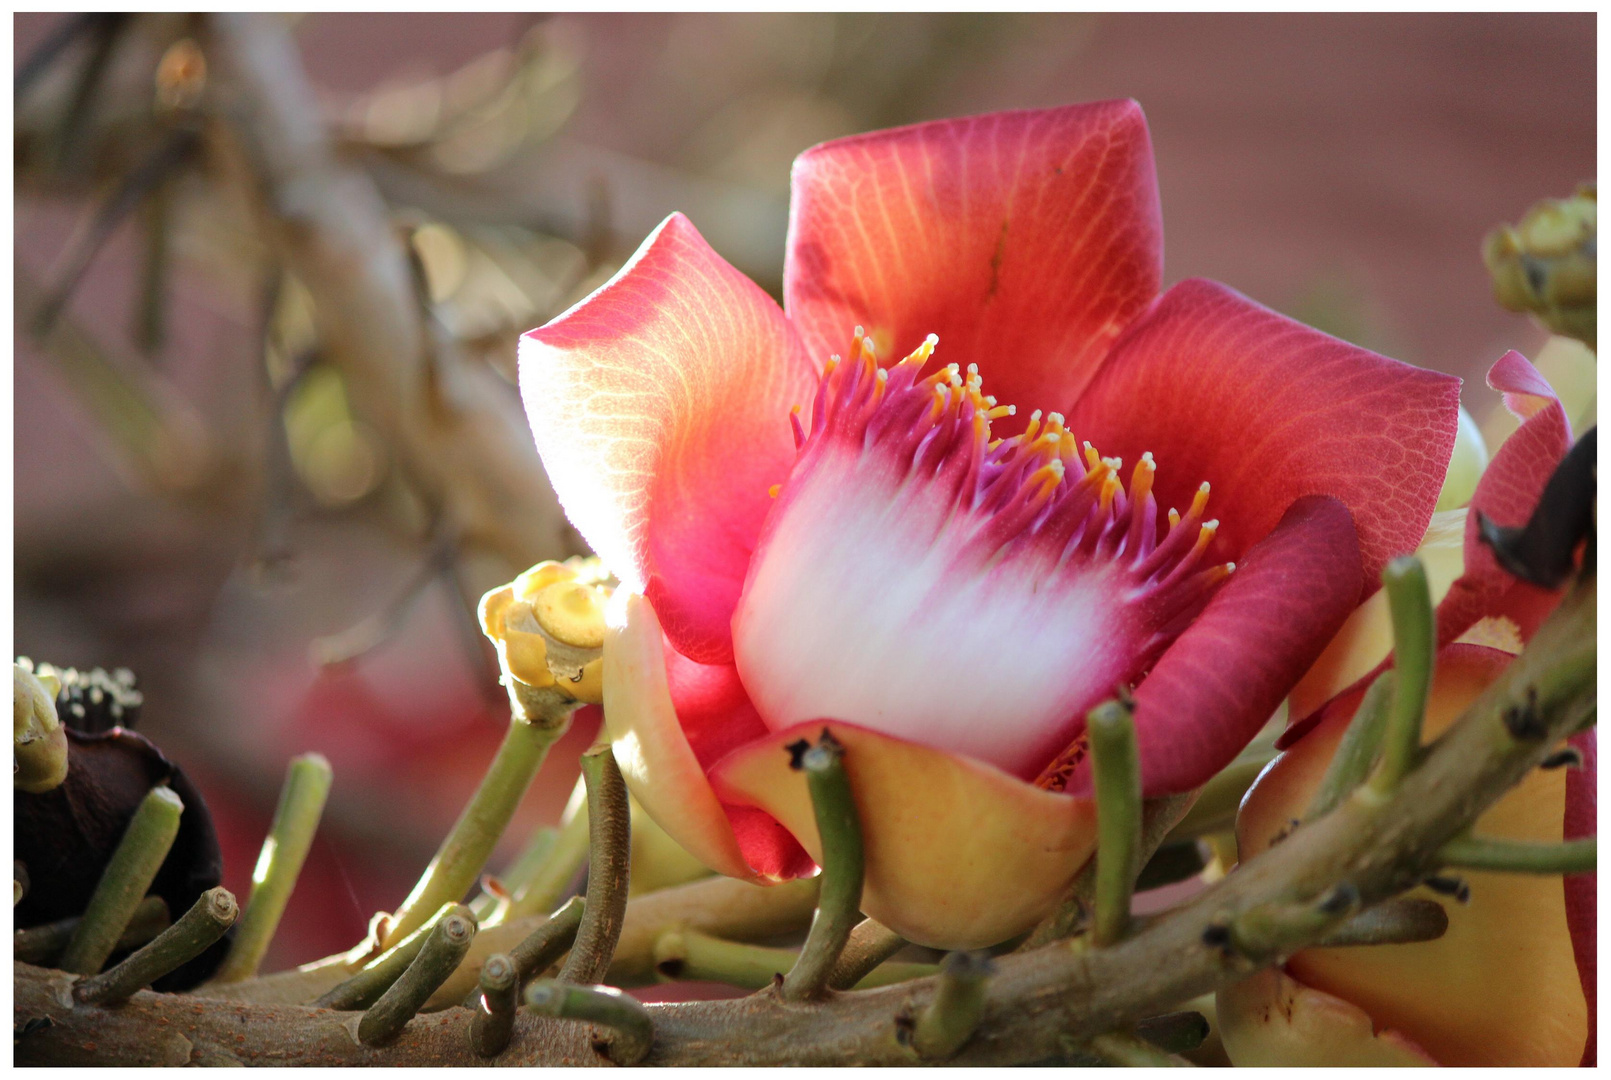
(979, 595)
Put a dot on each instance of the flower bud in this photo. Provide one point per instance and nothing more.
(548, 627)
(1545, 264)
(39, 742)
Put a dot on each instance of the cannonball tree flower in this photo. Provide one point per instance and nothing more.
(1512, 980)
(954, 494)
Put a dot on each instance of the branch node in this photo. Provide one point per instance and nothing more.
(953, 1015)
(494, 1019)
(628, 1029)
(444, 948)
(208, 919)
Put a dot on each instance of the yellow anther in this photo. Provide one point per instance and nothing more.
(571, 613)
(1174, 517)
(1205, 536)
(1141, 478)
(1048, 476)
(1199, 501)
(831, 366)
(998, 411)
(1034, 425)
(920, 355)
(539, 577)
(774, 489)
(1110, 488)
(1093, 460)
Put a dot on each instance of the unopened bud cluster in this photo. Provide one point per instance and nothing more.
(1545, 264)
(548, 626)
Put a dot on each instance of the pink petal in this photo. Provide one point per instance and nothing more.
(660, 405)
(1507, 493)
(658, 760)
(958, 853)
(1267, 410)
(1025, 240)
(1223, 678)
(1580, 888)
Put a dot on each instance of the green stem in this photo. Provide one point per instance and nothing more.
(1392, 922)
(870, 944)
(1116, 777)
(490, 909)
(285, 849)
(629, 1029)
(463, 854)
(690, 955)
(494, 1019)
(1519, 856)
(953, 1014)
(365, 987)
(1414, 646)
(1357, 751)
(609, 869)
(212, 915)
(43, 944)
(843, 867)
(1122, 1048)
(449, 940)
(125, 881)
(541, 890)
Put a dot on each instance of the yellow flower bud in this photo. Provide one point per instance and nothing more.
(39, 741)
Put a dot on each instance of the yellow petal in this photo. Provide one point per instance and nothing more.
(1501, 986)
(1366, 639)
(650, 747)
(960, 855)
(1269, 1020)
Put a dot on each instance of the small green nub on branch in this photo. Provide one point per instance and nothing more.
(43, 944)
(629, 1030)
(1392, 922)
(211, 916)
(1357, 751)
(1520, 856)
(869, 945)
(953, 1014)
(843, 866)
(463, 854)
(494, 1019)
(1116, 778)
(1414, 649)
(125, 881)
(285, 849)
(608, 869)
(365, 987)
(449, 940)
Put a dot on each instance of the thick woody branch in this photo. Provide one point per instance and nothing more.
(1036, 1004)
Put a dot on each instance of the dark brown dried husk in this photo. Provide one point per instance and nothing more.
(66, 836)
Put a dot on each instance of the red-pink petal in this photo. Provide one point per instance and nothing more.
(1267, 410)
(1223, 678)
(660, 405)
(1508, 491)
(717, 717)
(1025, 240)
(1580, 888)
